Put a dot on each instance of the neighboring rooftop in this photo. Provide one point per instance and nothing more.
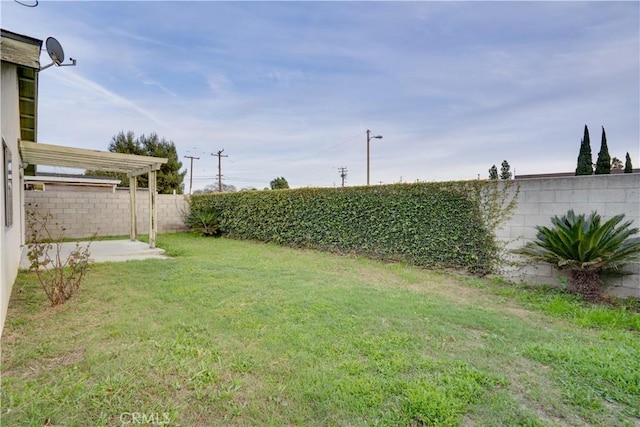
(562, 174)
(45, 181)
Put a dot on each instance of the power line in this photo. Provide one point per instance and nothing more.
(270, 166)
(331, 146)
(274, 165)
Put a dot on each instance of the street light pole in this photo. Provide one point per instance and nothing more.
(369, 138)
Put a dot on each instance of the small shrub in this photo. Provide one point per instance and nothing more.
(59, 276)
(204, 222)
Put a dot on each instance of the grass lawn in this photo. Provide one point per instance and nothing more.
(242, 333)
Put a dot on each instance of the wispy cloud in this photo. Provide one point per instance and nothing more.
(289, 88)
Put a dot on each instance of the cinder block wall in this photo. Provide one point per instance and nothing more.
(541, 199)
(108, 214)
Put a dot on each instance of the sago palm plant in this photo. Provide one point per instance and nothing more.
(585, 246)
(204, 222)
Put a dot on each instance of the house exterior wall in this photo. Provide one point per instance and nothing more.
(541, 199)
(11, 237)
(108, 214)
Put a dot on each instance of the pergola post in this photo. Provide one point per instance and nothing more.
(133, 189)
(153, 213)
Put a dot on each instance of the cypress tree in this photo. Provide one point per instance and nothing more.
(603, 164)
(585, 162)
(628, 167)
(505, 170)
(493, 172)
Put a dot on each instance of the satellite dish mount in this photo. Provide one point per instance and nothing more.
(54, 49)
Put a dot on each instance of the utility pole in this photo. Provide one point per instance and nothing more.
(369, 138)
(220, 156)
(343, 173)
(191, 172)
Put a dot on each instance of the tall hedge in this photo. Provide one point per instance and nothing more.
(427, 224)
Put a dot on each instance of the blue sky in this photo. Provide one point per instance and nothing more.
(290, 88)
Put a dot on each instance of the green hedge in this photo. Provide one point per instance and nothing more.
(429, 224)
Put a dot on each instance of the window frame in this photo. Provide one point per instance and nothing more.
(8, 183)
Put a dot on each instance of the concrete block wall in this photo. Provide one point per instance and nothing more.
(541, 199)
(108, 214)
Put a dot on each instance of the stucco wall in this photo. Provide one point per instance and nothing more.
(108, 214)
(11, 236)
(541, 199)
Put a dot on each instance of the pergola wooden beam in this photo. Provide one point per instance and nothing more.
(143, 170)
(82, 158)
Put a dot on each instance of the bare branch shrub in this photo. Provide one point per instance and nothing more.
(59, 274)
(497, 200)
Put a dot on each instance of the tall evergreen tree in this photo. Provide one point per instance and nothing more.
(585, 162)
(603, 164)
(505, 170)
(493, 172)
(169, 177)
(628, 167)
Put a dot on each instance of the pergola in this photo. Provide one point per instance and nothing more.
(80, 158)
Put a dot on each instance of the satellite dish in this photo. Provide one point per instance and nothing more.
(54, 49)
(56, 53)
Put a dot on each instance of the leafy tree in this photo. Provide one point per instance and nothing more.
(616, 164)
(213, 188)
(603, 164)
(169, 176)
(279, 183)
(585, 162)
(628, 167)
(586, 247)
(505, 172)
(493, 172)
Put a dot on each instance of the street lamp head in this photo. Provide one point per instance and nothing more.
(378, 137)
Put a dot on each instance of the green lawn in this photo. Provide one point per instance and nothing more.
(240, 333)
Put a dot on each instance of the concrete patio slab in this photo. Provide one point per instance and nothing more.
(107, 251)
